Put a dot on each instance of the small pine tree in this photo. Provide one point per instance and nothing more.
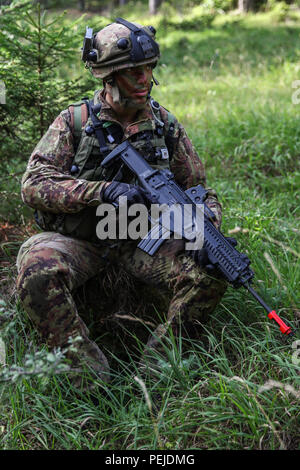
(36, 57)
(31, 51)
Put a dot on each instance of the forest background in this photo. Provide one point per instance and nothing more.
(229, 72)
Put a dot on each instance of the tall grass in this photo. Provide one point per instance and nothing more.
(238, 386)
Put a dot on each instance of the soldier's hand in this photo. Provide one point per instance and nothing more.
(201, 257)
(134, 194)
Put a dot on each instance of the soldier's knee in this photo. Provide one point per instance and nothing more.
(38, 276)
(32, 281)
(33, 288)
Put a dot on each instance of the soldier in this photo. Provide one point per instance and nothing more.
(65, 184)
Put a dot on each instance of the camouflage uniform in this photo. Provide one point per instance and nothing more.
(52, 265)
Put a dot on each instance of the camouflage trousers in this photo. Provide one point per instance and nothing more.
(51, 266)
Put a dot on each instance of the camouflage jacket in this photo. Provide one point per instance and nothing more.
(48, 185)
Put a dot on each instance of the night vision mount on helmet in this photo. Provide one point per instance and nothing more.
(118, 46)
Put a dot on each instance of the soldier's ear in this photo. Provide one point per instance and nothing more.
(108, 82)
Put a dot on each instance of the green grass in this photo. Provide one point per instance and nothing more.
(231, 87)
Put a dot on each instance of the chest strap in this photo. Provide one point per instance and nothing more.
(81, 111)
(97, 126)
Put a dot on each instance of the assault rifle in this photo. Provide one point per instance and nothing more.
(163, 190)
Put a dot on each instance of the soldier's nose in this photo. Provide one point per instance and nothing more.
(142, 78)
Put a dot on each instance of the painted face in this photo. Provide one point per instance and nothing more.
(134, 83)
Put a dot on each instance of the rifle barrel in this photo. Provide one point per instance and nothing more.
(271, 313)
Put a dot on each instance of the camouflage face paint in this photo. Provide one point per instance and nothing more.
(134, 84)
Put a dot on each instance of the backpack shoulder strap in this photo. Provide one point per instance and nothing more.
(170, 122)
(79, 115)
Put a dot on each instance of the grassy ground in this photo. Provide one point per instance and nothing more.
(238, 387)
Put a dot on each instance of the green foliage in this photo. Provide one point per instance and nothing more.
(190, 7)
(279, 10)
(198, 17)
(32, 50)
(235, 389)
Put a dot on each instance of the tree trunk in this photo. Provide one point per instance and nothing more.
(153, 6)
(81, 5)
(246, 5)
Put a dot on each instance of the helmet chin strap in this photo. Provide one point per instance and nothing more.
(116, 95)
(155, 81)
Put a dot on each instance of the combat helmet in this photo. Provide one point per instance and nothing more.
(118, 46)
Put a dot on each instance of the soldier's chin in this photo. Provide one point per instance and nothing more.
(136, 102)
